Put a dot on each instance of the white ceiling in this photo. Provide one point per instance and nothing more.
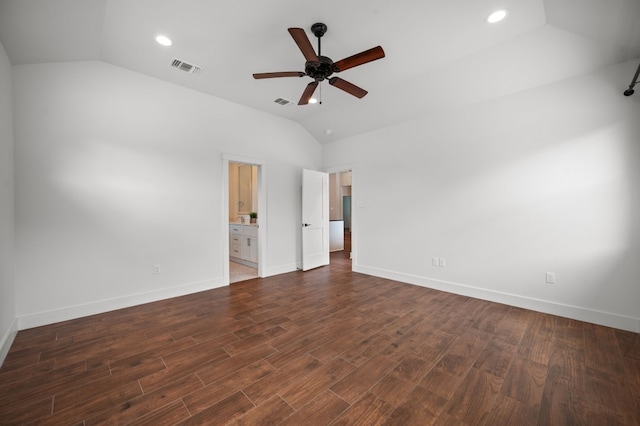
(439, 53)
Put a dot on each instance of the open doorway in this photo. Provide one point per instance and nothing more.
(244, 218)
(243, 226)
(340, 217)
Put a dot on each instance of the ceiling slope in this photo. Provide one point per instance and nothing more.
(439, 54)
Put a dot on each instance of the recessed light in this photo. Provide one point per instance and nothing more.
(497, 16)
(164, 40)
(313, 101)
(328, 132)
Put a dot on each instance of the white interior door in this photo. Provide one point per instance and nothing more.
(315, 219)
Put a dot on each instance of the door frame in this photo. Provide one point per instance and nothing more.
(262, 211)
(354, 214)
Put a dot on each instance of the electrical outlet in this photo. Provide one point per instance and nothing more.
(156, 269)
(435, 261)
(550, 277)
(442, 262)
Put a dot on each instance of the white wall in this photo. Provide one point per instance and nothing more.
(117, 172)
(547, 180)
(8, 324)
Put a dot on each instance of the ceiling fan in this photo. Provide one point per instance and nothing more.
(320, 67)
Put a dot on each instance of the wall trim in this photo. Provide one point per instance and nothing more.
(548, 307)
(7, 339)
(278, 270)
(72, 312)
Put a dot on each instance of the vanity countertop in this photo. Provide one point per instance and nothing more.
(243, 224)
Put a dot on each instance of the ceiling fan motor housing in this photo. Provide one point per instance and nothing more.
(319, 70)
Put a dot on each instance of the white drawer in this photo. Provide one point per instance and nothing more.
(250, 231)
(235, 249)
(235, 229)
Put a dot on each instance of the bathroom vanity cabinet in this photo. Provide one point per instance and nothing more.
(243, 244)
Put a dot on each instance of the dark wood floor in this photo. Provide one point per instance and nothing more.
(323, 347)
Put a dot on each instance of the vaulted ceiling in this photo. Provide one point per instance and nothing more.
(440, 54)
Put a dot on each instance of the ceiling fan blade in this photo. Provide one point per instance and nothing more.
(359, 59)
(308, 92)
(350, 88)
(301, 39)
(260, 75)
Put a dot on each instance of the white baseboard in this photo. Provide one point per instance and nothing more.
(78, 311)
(575, 312)
(7, 340)
(283, 269)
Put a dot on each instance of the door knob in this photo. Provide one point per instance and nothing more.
(306, 224)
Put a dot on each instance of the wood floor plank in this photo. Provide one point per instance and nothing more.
(320, 411)
(366, 348)
(369, 410)
(508, 411)
(56, 381)
(218, 369)
(628, 343)
(326, 346)
(197, 353)
(23, 373)
(567, 365)
(20, 359)
(360, 380)
(67, 399)
(441, 383)
(456, 365)
(562, 405)
(632, 376)
(609, 399)
(413, 368)
(312, 385)
(495, 358)
(537, 340)
(92, 404)
(421, 407)
(525, 382)
(271, 412)
(254, 340)
(474, 399)
(299, 348)
(393, 389)
(569, 332)
(492, 318)
(261, 327)
(221, 412)
(185, 366)
(25, 411)
(601, 349)
(140, 406)
(334, 347)
(265, 388)
(168, 415)
(226, 386)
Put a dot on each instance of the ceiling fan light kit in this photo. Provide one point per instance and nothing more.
(321, 68)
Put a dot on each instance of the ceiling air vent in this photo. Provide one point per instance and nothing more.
(282, 101)
(185, 66)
